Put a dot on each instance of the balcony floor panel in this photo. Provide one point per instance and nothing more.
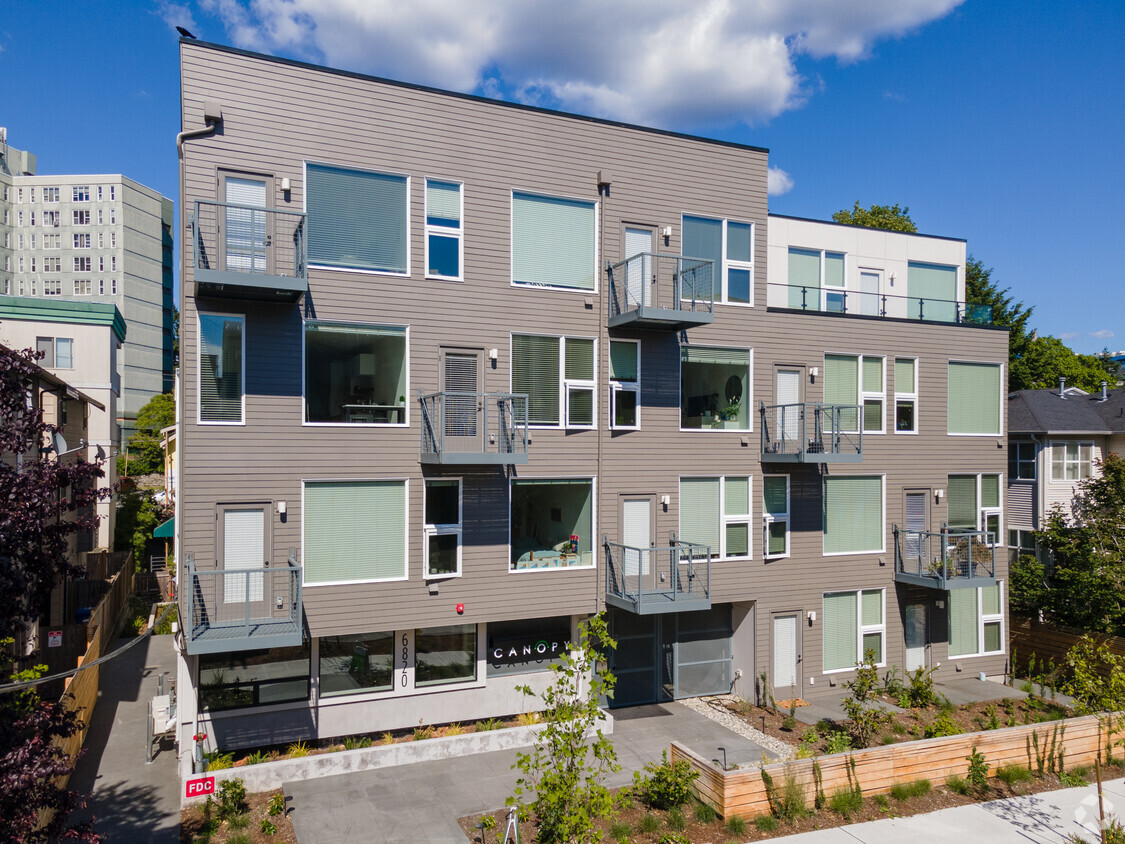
(661, 319)
(261, 633)
(943, 584)
(655, 603)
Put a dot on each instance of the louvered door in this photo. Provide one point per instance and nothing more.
(462, 428)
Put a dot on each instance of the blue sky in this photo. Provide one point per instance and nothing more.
(1000, 121)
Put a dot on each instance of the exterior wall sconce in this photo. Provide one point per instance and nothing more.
(812, 617)
(493, 354)
(281, 508)
(939, 494)
(286, 185)
(665, 500)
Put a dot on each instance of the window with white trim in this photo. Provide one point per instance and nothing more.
(80, 193)
(856, 381)
(355, 531)
(80, 217)
(81, 240)
(715, 388)
(82, 287)
(1072, 461)
(976, 621)
(729, 245)
(112, 216)
(221, 368)
(554, 241)
(32, 217)
(82, 264)
(113, 286)
(50, 194)
(817, 280)
(52, 241)
(113, 192)
(557, 373)
(113, 263)
(52, 220)
(101, 240)
(854, 515)
(625, 384)
(906, 395)
(113, 240)
(31, 238)
(100, 217)
(973, 394)
(32, 194)
(775, 515)
(853, 623)
(52, 264)
(552, 523)
(974, 504)
(355, 373)
(357, 219)
(444, 243)
(101, 263)
(715, 512)
(442, 528)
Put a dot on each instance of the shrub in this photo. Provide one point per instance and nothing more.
(528, 719)
(958, 785)
(674, 838)
(217, 761)
(675, 819)
(239, 821)
(838, 741)
(241, 838)
(666, 785)
(620, 831)
(920, 690)
(268, 827)
(232, 798)
(1012, 774)
(942, 725)
(454, 729)
(865, 719)
(977, 771)
(704, 813)
(881, 802)
(846, 802)
(905, 790)
(765, 823)
(736, 825)
(257, 757)
(357, 742)
(276, 805)
(487, 724)
(1073, 779)
(789, 723)
(649, 823)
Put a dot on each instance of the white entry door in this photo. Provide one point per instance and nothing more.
(636, 533)
(869, 283)
(785, 653)
(243, 548)
(638, 273)
(789, 395)
(915, 636)
(247, 239)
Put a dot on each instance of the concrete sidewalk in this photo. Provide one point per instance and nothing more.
(131, 801)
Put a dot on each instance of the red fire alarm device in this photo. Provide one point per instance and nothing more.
(460, 609)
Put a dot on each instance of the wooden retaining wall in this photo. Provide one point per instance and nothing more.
(743, 792)
(1048, 642)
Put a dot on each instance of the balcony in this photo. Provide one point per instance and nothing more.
(646, 581)
(249, 252)
(947, 559)
(827, 300)
(811, 433)
(474, 428)
(661, 292)
(228, 610)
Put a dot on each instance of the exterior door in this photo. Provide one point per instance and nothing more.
(917, 636)
(462, 372)
(244, 547)
(786, 654)
(788, 394)
(869, 293)
(917, 504)
(639, 273)
(245, 238)
(636, 534)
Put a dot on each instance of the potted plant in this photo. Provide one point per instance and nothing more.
(728, 416)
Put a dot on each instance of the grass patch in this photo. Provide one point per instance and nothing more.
(959, 785)
(736, 825)
(704, 813)
(766, 823)
(620, 831)
(905, 790)
(650, 823)
(675, 819)
(846, 802)
(1012, 774)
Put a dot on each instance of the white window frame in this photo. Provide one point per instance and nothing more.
(32, 213)
(80, 193)
(101, 240)
(861, 628)
(113, 286)
(1019, 446)
(19, 194)
(907, 396)
(31, 239)
(113, 240)
(512, 242)
(769, 518)
(984, 512)
(982, 620)
(101, 286)
(112, 192)
(112, 216)
(50, 194)
(564, 383)
(80, 217)
(1001, 397)
(32, 194)
(445, 231)
(844, 290)
(882, 549)
(199, 372)
(746, 399)
(101, 263)
(430, 530)
(82, 264)
(724, 520)
(113, 263)
(616, 387)
(52, 220)
(728, 264)
(872, 395)
(1067, 462)
(83, 287)
(101, 219)
(52, 241)
(593, 479)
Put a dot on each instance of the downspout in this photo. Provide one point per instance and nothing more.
(603, 340)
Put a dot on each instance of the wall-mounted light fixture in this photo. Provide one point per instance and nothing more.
(281, 508)
(666, 231)
(814, 371)
(286, 185)
(665, 500)
(812, 617)
(939, 494)
(493, 354)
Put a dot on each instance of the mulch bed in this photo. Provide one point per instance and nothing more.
(192, 819)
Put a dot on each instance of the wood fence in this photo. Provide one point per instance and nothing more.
(1047, 642)
(743, 791)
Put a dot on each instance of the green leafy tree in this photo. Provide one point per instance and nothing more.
(146, 451)
(980, 289)
(564, 774)
(888, 217)
(137, 517)
(1046, 359)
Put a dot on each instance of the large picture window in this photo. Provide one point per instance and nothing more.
(854, 623)
(976, 621)
(354, 531)
(445, 655)
(357, 219)
(355, 373)
(932, 289)
(362, 662)
(853, 515)
(974, 398)
(220, 368)
(553, 241)
(552, 524)
(557, 373)
(715, 512)
(715, 388)
(253, 678)
(729, 245)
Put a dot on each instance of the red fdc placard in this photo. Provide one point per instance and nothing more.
(200, 787)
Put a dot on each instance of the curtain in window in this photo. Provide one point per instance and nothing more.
(356, 219)
(804, 272)
(699, 512)
(355, 531)
(535, 371)
(853, 515)
(703, 238)
(974, 398)
(839, 630)
(552, 241)
(963, 622)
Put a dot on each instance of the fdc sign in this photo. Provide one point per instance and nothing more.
(200, 787)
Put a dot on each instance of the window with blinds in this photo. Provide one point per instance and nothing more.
(804, 278)
(715, 388)
(444, 250)
(625, 384)
(355, 531)
(853, 515)
(553, 241)
(974, 398)
(932, 292)
(976, 621)
(715, 512)
(221, 368)
(357, 219)
(557, 373)
(854, 626)
(775, 494)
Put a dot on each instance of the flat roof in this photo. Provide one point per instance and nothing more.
(35, 309)
(874, 228)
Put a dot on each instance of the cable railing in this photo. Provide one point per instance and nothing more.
(646, 284)
(658, 579)
(812, 433)
(829, 300)
(945, 557)
(466, 427)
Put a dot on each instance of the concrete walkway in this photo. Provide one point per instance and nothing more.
(131, 801)
(421, 802)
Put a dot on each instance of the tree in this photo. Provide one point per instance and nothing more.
(566, 767)
(146, 449)
(1006, 312)
(889, 217)
(1046, 359)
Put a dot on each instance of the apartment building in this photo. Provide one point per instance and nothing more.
(460, 373)
(102, 239)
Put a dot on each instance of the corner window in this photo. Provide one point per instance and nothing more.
(553, 241)
(443, 528)
(221, 370)
(857, 384)
(854, 623)
(715, 388)
(729, 245)
(625, 384)
(932, 292)
(445, 655)
(355, 531)
(557, 373)
(906, 395)
(254, 678)
(976, 621)
(974, 505)
(358, 663)
(444, 246)
(853, 515)
(1021, 461)
(552, 524)
(775, 515)
(974, 398)
(715, 512)
(357, 219)
(1071, 461)
(355, 374)
(817, 281)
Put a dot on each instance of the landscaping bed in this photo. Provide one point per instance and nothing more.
(202, 824)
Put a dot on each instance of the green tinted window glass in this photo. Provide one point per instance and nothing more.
(853, 514)
(962, 605)
(839, 628)
(737, 498)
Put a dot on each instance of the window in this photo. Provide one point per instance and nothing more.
(52, 264)
(32, 217)
(817, 280)
(81, 218)
(101, 240)
(31, 238)
(58, 352)
(716, 512)
(443, 528)
(625, 384)
(33, 263)
(31, 284)
(976, 621)
(536, 371)
(99, 193)
(775, 515)
(112, 216)
(445, 655)
(361, 662)
(853, 515)
(51, 287)
(715, 388)
(221, 359)
(1071, 461)
(553, 242)
(50, 194)
(83, 264)
(932, 292)
(552, 524)
(355, 531)
(254, 678)
(355, 373)
(730, 246)
(113, 241)
(100, 219)
(1021, 461)
(52, 241)
(906, 395)
(32, 194)
(357, 219)
(854, 623)
(45, 346)
(101, 264)
(974, 504)
(80, 193)
(113, 264)
(113, 286)
(19, 194)
(854, 380)
(974, 398)
(82, 287)
(113, 192)
(530, 645)
(1022, 539)
(443, 230)
(82, 241)
(19, 218)
(101, 286)
(19, 263)
(52, 219)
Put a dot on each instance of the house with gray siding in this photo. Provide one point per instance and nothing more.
(460, 373)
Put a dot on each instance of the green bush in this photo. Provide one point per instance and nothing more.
(268, 827)
(239, 821)
(977, 771)
(704, 813)
(736, 825)
(232, 798)
(217, 761)
(650, 823)
(958, 785)
(276, 805)
(620, 831)
(765, 823)
(846, 802)
(942, 725)
(674, 838)
(838, 741)
(666, 785)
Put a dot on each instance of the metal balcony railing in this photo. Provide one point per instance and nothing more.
(651, 290)
(474, 428)
(828, 300)
(945, 559)
(237, 609)
(249, 252)
(673, 578)
(812, 433)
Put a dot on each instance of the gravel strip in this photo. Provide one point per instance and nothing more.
(713, 707)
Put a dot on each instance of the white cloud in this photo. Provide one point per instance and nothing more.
(660, 62)
(1101, 334)
(1069, 335)
(778, 182)
(176, 14)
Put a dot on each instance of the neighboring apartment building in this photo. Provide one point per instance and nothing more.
(1055, 439)
(460, 373)
(81, 342)
(104, 239)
